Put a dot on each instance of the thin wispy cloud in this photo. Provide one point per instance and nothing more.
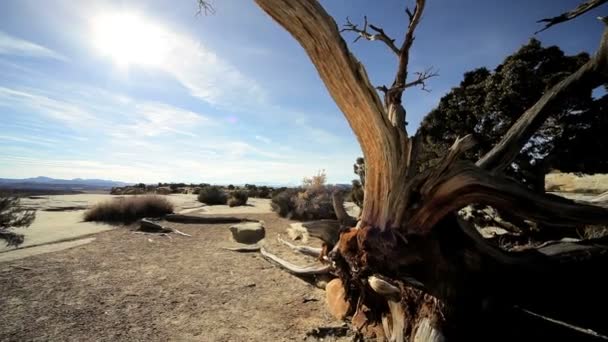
(13, 46)
(263, 139)
(63, 111)
(129, 39)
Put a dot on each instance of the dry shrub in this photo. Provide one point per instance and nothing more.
(282, 202)
(311, 202)
(314, 204)
(128, 210)
(212, 195)
(238, 198)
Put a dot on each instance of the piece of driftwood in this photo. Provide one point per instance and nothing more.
(148, 225)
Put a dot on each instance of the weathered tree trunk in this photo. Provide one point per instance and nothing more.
(412, 270)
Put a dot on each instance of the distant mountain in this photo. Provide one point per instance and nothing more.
(53, 183)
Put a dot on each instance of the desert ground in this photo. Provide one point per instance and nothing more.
(124, 285)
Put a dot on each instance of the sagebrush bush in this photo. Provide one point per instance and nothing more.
(212, 195)
(304, 204)
(314, 204)
(128, 210)
(282, 202)
(238, 198)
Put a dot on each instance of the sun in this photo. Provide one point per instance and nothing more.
(129, 39)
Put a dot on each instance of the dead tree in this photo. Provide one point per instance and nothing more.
(411, 269)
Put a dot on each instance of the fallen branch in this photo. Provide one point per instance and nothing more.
(180, 233)
(564, 324)
(147, 225)
(295, 269)
(306, 250)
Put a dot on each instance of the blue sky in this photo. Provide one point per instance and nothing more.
(148, 91)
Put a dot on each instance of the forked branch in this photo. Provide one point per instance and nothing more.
(205, 7)
(420, 80)
(380, 35)
(404, 52)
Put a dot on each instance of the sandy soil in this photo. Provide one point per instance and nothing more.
(59, 217)
(54, 226)
(134, 287)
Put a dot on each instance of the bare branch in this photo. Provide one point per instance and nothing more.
(592, 74)
(392, 98)
(404, 52)
(564, 324)
(409, 13)
(579, 10)
(380, 35)
(295, 269)
(421, 78)
(306, 250)
(205, 7)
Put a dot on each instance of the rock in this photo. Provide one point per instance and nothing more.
(335, 298)
(249, 233)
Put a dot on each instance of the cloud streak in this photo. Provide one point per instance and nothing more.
(132, 39)
(14, 46)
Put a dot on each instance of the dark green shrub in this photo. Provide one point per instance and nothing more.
(264, 192)
(238, 198)
(212, 195)
(282, 202)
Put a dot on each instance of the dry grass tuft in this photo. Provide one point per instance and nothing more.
(128, 210)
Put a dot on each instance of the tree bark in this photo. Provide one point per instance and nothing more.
(386, 147)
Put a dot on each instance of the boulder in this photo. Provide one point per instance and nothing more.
(249, 232)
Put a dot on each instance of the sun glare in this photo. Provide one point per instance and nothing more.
(128, 39)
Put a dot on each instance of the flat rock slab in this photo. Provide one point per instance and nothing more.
(249, 232)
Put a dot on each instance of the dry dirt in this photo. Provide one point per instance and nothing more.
(134, 287)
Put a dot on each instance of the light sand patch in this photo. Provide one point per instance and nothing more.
(53, 247)
(56, 226)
